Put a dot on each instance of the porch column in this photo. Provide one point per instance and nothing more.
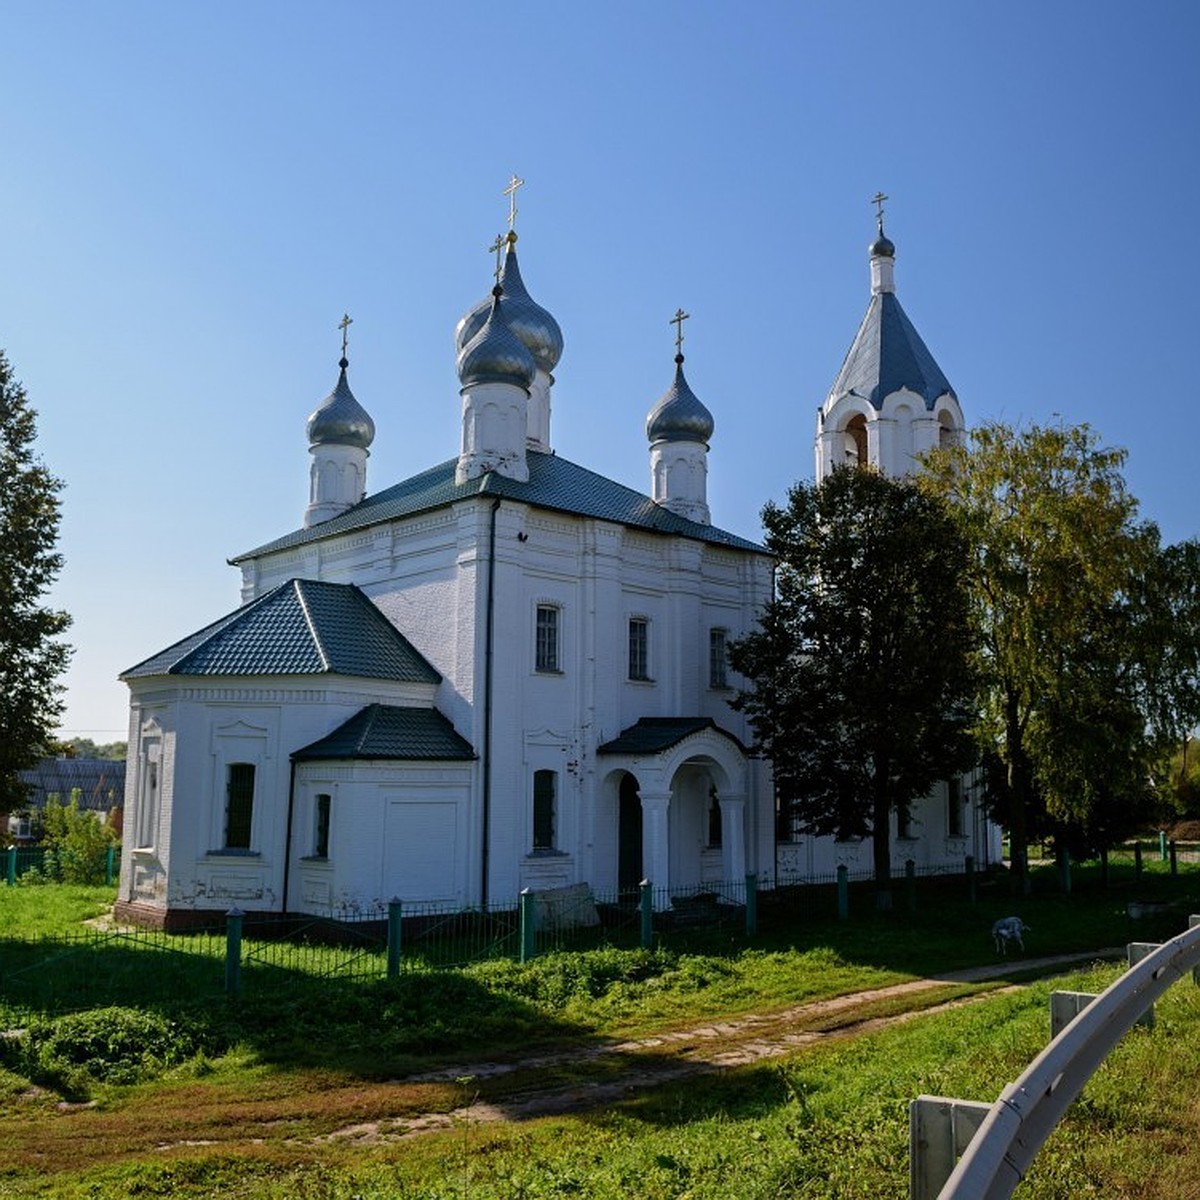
(733, 838)
(655, 846)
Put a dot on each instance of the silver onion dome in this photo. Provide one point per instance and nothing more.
(882, 247)
(495, 354)
(339, 420)
(679, 416)
(523, 315)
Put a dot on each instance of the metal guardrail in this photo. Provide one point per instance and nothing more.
(1024, 1116)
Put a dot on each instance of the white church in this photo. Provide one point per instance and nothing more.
(505, 672)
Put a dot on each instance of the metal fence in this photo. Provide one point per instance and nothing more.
(48, 863)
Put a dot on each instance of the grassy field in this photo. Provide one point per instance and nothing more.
(307, 1089)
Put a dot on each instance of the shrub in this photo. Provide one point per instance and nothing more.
(76, 843)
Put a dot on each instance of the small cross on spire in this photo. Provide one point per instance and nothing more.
(677, 320)
(495, 249)
(344, 325)
(511, 192)
(878, 200)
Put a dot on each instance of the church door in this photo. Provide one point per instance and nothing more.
(629, 836)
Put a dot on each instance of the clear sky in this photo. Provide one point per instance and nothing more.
(192, 194)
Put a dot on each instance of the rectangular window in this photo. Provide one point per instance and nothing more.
(717, 675)
(545, 784)
(954, 812)
(239, 805)
(546, 653)
(639, 648)
(321, 825)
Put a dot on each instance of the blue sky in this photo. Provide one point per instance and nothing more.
(192, 194)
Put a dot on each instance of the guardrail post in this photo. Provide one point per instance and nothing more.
(528, 914)
(1064, 871)
(910, 883)
(843, 892)
(939, 1130)
(393, 938)
(972, 886)
(751, 905)
(1134, 953)
(1137, 860)
(646, 914)
(1174, 858)
(1193, 921)
(12, 866)
(233, 951)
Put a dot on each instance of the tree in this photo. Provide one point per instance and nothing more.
(860, 666)
(31, 657)
(1058, 554)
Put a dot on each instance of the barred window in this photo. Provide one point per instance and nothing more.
(639, 648)
(321, 811)
(239, 805)
(718, 676)
(546, 651)
(544, 789)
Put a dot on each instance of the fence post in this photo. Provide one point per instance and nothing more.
(1064, 871)
(528, 925)
(109, 859)
(393, 938)
(233, 951)
(972, 890)
(646, 913)
(910, 883)
(1174, 858)
(12, 866)
(1137, 860)
(1162, 845)
(843, 892)
(751, 905)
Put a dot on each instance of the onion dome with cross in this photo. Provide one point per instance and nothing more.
(679, 416)
(495, 354)
(339, 420)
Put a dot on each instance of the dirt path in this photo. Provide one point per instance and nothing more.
(542, 1085)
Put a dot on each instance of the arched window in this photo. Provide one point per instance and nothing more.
(856, 441)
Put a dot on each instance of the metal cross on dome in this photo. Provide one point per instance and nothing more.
(495, 249)
(344, 325)
(677, 320)
(878, 200)
(511, 192)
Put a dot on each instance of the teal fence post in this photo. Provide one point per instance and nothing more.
(528, 926)
(646, 914)
(393, 938)
(1064, 871)
(843, 892)
(110, 856)
(12, 866)
(751, 905)
(233, 951)
(972, 889)
(1162, 846)
(1174, 858)
(1137, 860)
(910, 883)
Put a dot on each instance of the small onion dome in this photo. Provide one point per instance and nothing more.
(495, 354)
(523, 315)
(679, 416)
(882, 247)
(340, 420)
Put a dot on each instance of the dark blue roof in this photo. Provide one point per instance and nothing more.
(100, 782)
(653, 734)
(887, 354)
(302, 627)
(554, 483)
(387, 731)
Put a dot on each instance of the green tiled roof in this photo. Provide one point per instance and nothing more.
(653, 734)
(302, 627)
(554, 483)
(385, 731)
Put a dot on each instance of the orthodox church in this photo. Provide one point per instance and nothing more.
(505, 672)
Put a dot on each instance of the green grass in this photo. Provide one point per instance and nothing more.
(46, 910)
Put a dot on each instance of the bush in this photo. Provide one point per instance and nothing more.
(76, 843)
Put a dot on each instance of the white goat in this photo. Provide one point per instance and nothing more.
(1008, 929)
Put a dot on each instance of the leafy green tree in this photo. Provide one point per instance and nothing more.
(76, 842)
(859, 669)
(31, 657)
(1058, 556)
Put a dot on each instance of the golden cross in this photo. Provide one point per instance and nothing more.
(495, 249)
(511, 192)
(344, 325)
(677, 320)
(878, 200)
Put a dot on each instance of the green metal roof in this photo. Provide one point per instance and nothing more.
(554, 483)
(653, 734)
(301, 627)
(386, 731)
